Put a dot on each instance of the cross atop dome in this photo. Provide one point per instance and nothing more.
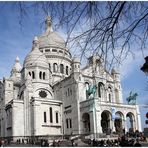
(48, 23)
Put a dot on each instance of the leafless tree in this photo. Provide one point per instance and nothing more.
(111, 29)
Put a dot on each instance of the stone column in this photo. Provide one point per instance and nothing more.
(37, 73)
(139, 127)
(113, 125)
(98, 119)
(125, 125)
(94, 120)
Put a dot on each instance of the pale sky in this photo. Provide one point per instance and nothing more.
(16, 40)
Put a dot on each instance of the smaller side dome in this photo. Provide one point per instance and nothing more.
(16, 72)
(35, 57)
(17, 66)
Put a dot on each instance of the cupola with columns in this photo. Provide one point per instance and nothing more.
(55, 50)
(36, 65)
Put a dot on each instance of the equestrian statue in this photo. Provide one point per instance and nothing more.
(131, 100)
(91, 91)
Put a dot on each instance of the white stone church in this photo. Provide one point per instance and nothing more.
(48, 95)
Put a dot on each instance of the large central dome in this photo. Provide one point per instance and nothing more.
(50, 38)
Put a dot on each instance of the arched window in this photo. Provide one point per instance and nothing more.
(57, 118)
(66, 70)
(101, 90)
(70, 123)
(33, 75)
(55, 67)
(87, 87)
(29, 73)
(40, 75)
(44, 75)
(49, 66)
(50, 112)
(109, 94)
(67, 123)
(61, 68)
(109, 97)
(117, 95)
(45, 117)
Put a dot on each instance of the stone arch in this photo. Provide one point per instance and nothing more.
(44, 75)
(29, 73)
(62, 68)
(33, 75)
(55, 67)
(40, 75)
(118, 123)
(106, 121)
(67, 71)
(101, 90)
(117, 95)
(110, 94)
(86, 88)
(86, 122)
(130, 119)
(49, 66)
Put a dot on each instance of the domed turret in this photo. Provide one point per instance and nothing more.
(17, 66)
(116, 74)
(16, 71)
(36, 65)
(35, 57)
(75, 65)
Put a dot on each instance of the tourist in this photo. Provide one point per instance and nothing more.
(137, 144)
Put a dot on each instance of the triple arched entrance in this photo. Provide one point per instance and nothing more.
(118, 124)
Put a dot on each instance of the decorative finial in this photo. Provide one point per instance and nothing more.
(17, 59)
(35, 43)
(48, 23)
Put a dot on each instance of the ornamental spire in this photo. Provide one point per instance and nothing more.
(48, 23)
(17, 60)
(35, 43)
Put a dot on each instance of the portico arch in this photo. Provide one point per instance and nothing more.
(86, 122)
(105, 121)
(130, 118)
(101, 90)
(119, 117)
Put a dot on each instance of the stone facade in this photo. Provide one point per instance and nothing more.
(50, 96)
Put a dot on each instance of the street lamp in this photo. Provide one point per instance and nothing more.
(144, 68)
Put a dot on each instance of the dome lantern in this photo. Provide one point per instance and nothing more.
(35, 43)
(48, 23)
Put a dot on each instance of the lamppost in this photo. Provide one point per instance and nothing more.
(144, 68)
